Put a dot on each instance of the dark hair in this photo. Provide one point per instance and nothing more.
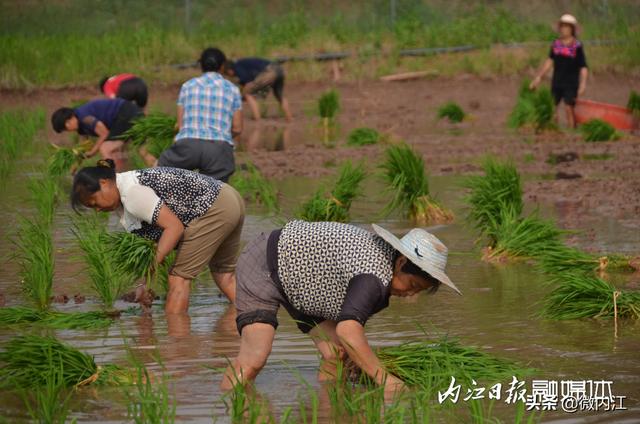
(87, 181)
(212, 59)
(102, 82)
(60, 117)
(413, 269)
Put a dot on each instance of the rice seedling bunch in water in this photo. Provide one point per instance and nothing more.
(404, 172)
(35, 256)
(633, 104)
(108, 279)
(544, 107)
(251, 184)
(452, 111)
(562, 258)
(44, 193)
(328, 106)
(534, 108)
(523, 109)
(526, 237)
(150, 402)
(155, 126)
(49, 403)
(429, 365)
(19, 315)
(578, 295)
(54, 319)
(26, 360)
(363, 136)
(335, 206)
(598, 130)
(499, 188)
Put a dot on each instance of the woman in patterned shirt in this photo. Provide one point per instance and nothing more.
(200, 216)
(331, 278)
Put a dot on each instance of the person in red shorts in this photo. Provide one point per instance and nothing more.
(127, 87)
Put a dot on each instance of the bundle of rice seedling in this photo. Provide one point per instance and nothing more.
(534, 108)
(19, 315)
(429, 365)
(55, 319)
(151, 401)
(562, 258)
(64, 159)
(26, 360)
(108, 280)
(44, 193)
(328, 106)
(578, 295)
(335, 206)
(404, 172)
(452, 111)
(598, 130)
(35, 256)
(153, 128)
(363, 136)
(499, 188)
(251, 184)
(634, 103)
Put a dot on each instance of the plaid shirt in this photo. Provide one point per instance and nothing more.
(209, 102)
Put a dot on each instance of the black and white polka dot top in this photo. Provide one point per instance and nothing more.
(187, 194)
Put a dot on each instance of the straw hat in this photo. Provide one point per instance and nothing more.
(568, 19)
(423, 249)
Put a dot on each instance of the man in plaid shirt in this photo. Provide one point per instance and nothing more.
(209, 117)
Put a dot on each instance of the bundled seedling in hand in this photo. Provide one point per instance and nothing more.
(67, 159)
(155, 131)
(335, 205)
(535, 108)
(598, 130)
(328, 107)
(363, 136)
(404, 172)
(251, 184)
(452, 111)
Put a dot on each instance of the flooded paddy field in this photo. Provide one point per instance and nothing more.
(498, 313)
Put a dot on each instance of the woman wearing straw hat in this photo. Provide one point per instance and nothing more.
(569, 67)
(331, 278)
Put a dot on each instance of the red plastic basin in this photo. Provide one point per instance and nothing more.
(618, 116)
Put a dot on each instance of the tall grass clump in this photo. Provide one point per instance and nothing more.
(404, 172)
(26, 360)
(363, 136)
(598, 130)
(533, 108)
(328, 107)
(155, 131)
(335, 205)
(251, 184)
(108, 280)
(18, 129)
(577, 295)
(150, 403)
(452, 111)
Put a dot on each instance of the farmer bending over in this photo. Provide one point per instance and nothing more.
(255, 76)
(200, 216)
(125, 86)
(106, 119)
(331, 278)
(209, 116)
(569, 64)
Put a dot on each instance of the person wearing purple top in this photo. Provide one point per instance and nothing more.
(105, 119)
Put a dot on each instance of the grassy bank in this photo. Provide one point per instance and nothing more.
(69, 43)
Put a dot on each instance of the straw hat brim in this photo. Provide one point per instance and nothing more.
(425, 265)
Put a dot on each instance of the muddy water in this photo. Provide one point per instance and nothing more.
(497, 314)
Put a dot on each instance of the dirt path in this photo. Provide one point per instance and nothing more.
(608, 173)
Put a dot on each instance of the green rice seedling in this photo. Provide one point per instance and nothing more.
(251, 184)
(54, 319)
(534, 108)
(452, 111)
(598, 130)
(65, 159)
(26, 360)
(633, 104)
(500, 187)
(335, 206)
(544, 108)
(35, 257)
(108, 280)
(151, 402)
(523, 111)
(363, 136)
(404, 172)
(577, 295)
(43, 192)
(561, 258)
(49, 403)
(155, 126)
(430, 364)
(328, 107)
(18, 129)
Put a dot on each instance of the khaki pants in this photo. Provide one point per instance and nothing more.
(213, 238)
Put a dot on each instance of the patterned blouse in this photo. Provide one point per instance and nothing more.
(334, 271)
(143, 192)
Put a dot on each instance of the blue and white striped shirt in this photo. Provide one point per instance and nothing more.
(209, 102)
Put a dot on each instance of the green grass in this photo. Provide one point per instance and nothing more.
(18, 129)
(108, 280)
(452, 111)
(533, 108)
(155, 131)
(576, 295)
(26, 360)
(252, 185)
(597, 156)
(363, 137)
(598, 130)
(403, 171)
(334, 206)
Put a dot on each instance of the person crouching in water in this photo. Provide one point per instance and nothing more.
(569, 64)
(331, 278)
(199, 215)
